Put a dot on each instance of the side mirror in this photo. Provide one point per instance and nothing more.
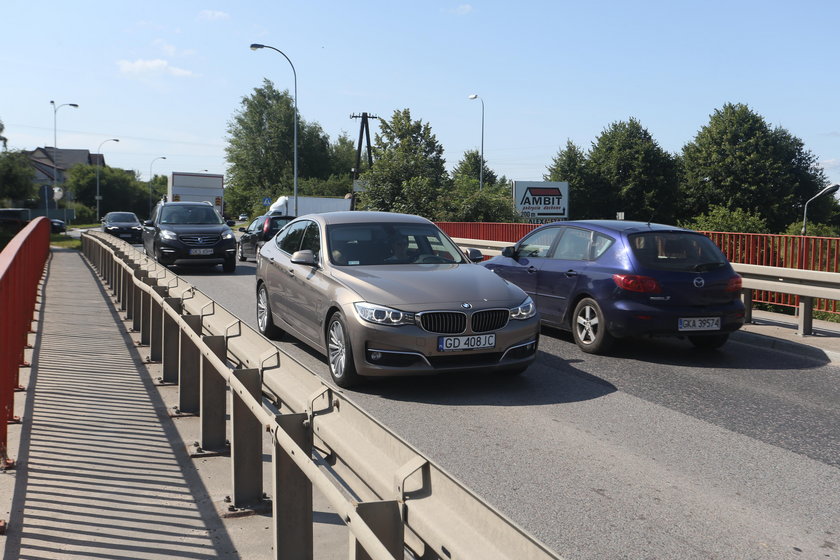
(230, 223)
(474, 255)
(509, 252)
(242, 229)
(304, 257)
(148, 223)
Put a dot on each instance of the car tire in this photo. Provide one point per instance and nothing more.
(589, 327)
(229, 265)
(710, 342)
(264, 321)
(340, 353)
(241, 252)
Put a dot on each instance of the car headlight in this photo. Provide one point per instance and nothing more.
(138, 228)
(110, 228)
(381, 315)
(228, 235)
(168, 234)
(524, 310)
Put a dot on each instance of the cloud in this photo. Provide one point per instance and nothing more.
(212, 15)
(830, 163)
(156, 67)
(463, 9)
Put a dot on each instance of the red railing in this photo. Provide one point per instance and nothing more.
(787, 251)
(21, 267)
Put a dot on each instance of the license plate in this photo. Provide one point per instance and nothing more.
(699, 324)
(201, 251)
(125, 235)
(455, 343)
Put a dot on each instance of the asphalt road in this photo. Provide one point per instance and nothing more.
(658, 451)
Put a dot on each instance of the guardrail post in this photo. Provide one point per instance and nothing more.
(156, 313)
(385, 521)
(137, 299)
(805, 325)
(189, 368)
(246, 441)
(212, 407)
(747, 298)
(170, 336)
(292, 503)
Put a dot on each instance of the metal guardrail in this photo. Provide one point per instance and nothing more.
(407, 503)
(807, 284)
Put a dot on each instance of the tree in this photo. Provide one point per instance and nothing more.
(260, 152)
(571, 166)
(721, 218)
(17, 178)
(408, 173)
(470, 166)
(739, 161)
(120, 189)
(3, 139)
(630, 173)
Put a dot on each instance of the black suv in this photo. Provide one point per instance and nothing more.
(259, 231)
(183, 233)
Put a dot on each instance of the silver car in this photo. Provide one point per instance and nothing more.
(390, 294)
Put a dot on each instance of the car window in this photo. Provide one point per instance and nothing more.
(390, 244)
(573, 244)
(291, 237)
(312, 240)
(538, 243)
(675, 250)
(121, 217)
(189, 214)
(600, 243)
(256, 225)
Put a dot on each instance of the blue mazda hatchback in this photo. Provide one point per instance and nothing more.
(607, 279)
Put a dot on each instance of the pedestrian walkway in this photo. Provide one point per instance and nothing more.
(102, 471)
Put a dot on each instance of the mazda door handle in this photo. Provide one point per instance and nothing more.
(532, 269)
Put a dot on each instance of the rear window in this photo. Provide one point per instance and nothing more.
(674, 250)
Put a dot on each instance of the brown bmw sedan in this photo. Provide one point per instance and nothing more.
(390, 294)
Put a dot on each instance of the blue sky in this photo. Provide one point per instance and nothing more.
(166, 77)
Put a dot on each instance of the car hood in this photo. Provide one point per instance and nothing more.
(430, 286)
(197, 228)
(121, 224)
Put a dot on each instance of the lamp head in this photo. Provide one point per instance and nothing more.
(76, 105)
(472, 96)
(255, 46)
(832, 189)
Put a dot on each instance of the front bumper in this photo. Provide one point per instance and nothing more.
(410, 350)
(178, 253)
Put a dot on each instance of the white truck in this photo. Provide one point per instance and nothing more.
(310, 205)
(197, 187)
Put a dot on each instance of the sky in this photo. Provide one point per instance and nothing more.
(166, 77)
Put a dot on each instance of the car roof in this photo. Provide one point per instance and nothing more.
(360, 217)
(185, 203)
(620, 226)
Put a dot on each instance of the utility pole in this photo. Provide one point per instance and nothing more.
(364, 130)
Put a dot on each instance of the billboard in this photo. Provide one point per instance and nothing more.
(542, 201)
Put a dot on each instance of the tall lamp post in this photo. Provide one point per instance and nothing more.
(99, 151)
(480, 169)
(55, 151)
(254, 47)
(150, 184)
(828, 190)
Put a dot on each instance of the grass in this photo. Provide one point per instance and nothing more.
(65, 241)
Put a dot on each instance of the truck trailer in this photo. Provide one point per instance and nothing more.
(197, 187)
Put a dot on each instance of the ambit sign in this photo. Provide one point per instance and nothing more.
(542, 201)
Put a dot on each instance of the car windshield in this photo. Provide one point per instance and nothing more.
(122, 217)
(390, 244)
(198, 214)
(674, 250)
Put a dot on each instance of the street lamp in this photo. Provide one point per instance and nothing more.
(55, 151)
(481, 169)
(255, 46)
(150, 183)
(828, 190)
(99, 151)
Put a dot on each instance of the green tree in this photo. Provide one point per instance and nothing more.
(721, 218)
(120, 189)
(3, 139)
(813, 229)
(630, 173)
(17, 178)
(739, 161)
(470, 167)
(468, 203)
(571, 165)
(408, 173)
